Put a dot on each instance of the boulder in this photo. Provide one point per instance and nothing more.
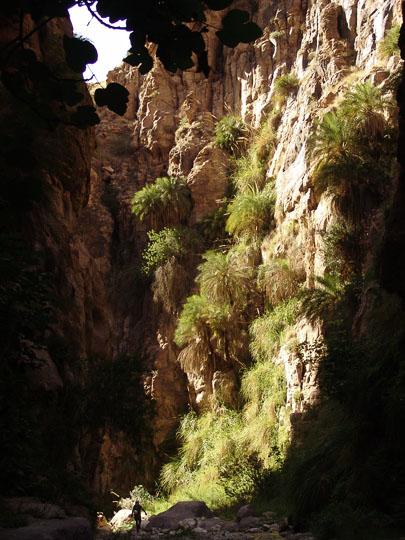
(188, 523)
(121, 517)
(216, 524)
(51, 529)
(35, 508)
(249, 522)
(244, 511)
(181, 511)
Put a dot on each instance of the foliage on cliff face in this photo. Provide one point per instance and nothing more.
(228, 447)
(354, 150)
(236, 451)
(167, 202)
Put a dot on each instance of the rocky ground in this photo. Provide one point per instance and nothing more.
(179, 522)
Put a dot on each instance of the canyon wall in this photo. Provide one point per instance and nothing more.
(92, 244)
(329, 47)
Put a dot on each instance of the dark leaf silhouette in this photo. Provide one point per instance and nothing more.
(84, 117)
(140, 57)
(115, 97)
(217, 5)
(158, 30)
(79, 53)
(237, 29)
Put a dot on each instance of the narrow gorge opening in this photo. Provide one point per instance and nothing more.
(201, 295)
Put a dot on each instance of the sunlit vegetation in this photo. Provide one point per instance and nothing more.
(264, 141)
(388, 46)
(167, 202)
(226, 449)
(244, 314)
(225, 452)
(367, 109)
(286, 84)
(249, 174)
(230, 134)
(167, 243)
(251, 213)
(223, 279)
(226, 286)
(354, 148)
(270, 331)
(276, 34)
(279, 280)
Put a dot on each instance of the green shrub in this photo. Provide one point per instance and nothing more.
(388, 46)
(251, 214)
(230, 133)
(168, 243)
(166, 202)
(224, 453)
(286, 84)
(268, 331)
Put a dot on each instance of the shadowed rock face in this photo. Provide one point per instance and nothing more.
(55, 529)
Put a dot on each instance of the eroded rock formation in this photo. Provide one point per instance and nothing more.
(92, 243)
(328, 46)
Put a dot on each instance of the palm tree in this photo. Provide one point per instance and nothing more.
(251, 213)
(166, 202)
(223, 280)
(204, 326)
(332, 138)
(320, 302)
(366, 107)
(192, 323)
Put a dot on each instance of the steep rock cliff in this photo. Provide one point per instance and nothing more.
(328, 46)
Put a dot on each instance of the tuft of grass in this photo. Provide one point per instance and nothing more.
(230, 133)
(388, 46)
(166, 202)
(268, 331)
(251, 214)
(279, 280)
(286, 84)
(277, 34)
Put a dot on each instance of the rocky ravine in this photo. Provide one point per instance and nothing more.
(170, 120)
(92, 244)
